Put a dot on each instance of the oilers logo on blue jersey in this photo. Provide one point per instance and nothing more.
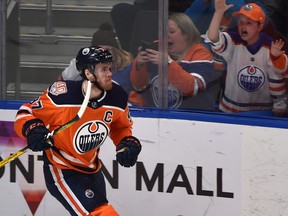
(175, 97)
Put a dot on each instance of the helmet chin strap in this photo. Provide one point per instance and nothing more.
(96, 83)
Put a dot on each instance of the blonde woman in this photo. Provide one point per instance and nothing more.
(191, 73)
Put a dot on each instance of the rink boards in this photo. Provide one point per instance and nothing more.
(192, 163)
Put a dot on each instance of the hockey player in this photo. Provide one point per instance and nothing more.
(254, 62)
(72, 168)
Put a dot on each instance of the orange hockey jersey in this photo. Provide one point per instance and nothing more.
(77, 147)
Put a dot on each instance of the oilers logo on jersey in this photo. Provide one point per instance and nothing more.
(251, 78)
(90, 135)
(175, 97)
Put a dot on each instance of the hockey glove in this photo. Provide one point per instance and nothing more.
(127, 151)
(35, 132)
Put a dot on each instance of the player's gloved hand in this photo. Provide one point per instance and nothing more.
(127, 151)
(35, 132)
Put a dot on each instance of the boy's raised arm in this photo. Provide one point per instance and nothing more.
(213, 30)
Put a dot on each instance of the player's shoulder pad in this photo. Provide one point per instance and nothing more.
(117, 96)
(66, 92)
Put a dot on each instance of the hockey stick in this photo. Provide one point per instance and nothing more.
(57, 130)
